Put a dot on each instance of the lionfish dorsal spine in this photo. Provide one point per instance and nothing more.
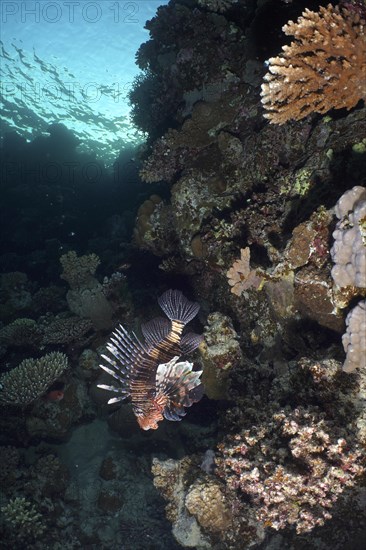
(155, 331)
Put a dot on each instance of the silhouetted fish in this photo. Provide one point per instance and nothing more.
(150, 373)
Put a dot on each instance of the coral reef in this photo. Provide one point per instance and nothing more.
(86, 298)
(48, 478)
(49, 419)
(154, 218)
(219, 352)
(169, 479)
(294, 467)
(31, 379)
(349, 256)
(324, 68)
(263, 224)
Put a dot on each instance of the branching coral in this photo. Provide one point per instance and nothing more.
(29, 380)
(22, 520)
(324, 68)
(241, 277)
(294, 468)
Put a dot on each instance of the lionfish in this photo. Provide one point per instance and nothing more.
(149, 373)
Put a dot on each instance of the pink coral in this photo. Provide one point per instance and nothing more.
(294, 468)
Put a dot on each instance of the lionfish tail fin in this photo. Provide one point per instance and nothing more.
(177, 381)
(177, 307)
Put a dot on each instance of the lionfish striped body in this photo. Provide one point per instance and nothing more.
(149, 373)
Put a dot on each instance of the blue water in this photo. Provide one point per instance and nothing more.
(72, 62)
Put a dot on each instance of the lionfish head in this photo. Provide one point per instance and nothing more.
(152, 413)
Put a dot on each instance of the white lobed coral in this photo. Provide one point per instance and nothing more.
(354, 339)
(349, 248)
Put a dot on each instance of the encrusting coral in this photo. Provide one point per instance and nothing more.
(30, 380)
(323, 69)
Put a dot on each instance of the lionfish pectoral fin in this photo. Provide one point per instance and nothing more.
(177, 307)
(155, 331)
(189, 342)
(174, 413)
(177, 381)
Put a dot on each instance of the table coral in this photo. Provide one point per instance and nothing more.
(65, 331)
(21, 332)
